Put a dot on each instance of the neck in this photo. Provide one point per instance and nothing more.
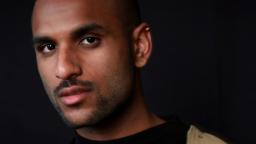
(135, 118)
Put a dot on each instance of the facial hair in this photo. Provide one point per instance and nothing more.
(106, 107)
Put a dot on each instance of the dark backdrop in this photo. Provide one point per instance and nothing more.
(202, 69)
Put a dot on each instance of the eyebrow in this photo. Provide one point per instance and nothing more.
(38, 40)
(78, 32)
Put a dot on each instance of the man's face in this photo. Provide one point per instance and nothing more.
(84, 58)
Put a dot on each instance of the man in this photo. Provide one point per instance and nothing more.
(89, 55)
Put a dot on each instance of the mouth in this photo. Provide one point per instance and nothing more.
(73, 95)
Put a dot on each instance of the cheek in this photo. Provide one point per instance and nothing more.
(109, 68)
(47, 76)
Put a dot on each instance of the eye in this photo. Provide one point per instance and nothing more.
(46, 48)
(90, 41)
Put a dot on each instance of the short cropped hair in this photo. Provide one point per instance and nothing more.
(130, 12)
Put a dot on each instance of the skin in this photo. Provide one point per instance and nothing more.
(84, 44)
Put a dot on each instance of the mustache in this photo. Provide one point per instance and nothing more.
(72, 82)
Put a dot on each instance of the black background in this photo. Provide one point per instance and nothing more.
(202, 69)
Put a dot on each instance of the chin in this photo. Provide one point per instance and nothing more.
(79, 119)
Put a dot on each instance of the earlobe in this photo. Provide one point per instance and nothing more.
(142, 45)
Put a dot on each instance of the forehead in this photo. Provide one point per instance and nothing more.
(64, 15)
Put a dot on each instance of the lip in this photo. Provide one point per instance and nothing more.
(73, 95)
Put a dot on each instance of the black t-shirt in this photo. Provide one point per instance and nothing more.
(171, 132)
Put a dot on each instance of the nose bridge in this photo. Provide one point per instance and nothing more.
(67, 63)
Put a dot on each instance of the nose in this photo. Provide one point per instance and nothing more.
(67, 65)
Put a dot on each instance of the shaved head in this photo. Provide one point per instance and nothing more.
(130, 12)
(127, 11)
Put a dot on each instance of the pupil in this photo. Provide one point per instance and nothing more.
(50, 46)
(90, 39)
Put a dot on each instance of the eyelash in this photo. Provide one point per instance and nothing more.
(41, 47)
(95, 41)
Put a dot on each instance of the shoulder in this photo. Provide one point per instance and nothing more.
(195, 136)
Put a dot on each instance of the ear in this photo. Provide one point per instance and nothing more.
(142, 45)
